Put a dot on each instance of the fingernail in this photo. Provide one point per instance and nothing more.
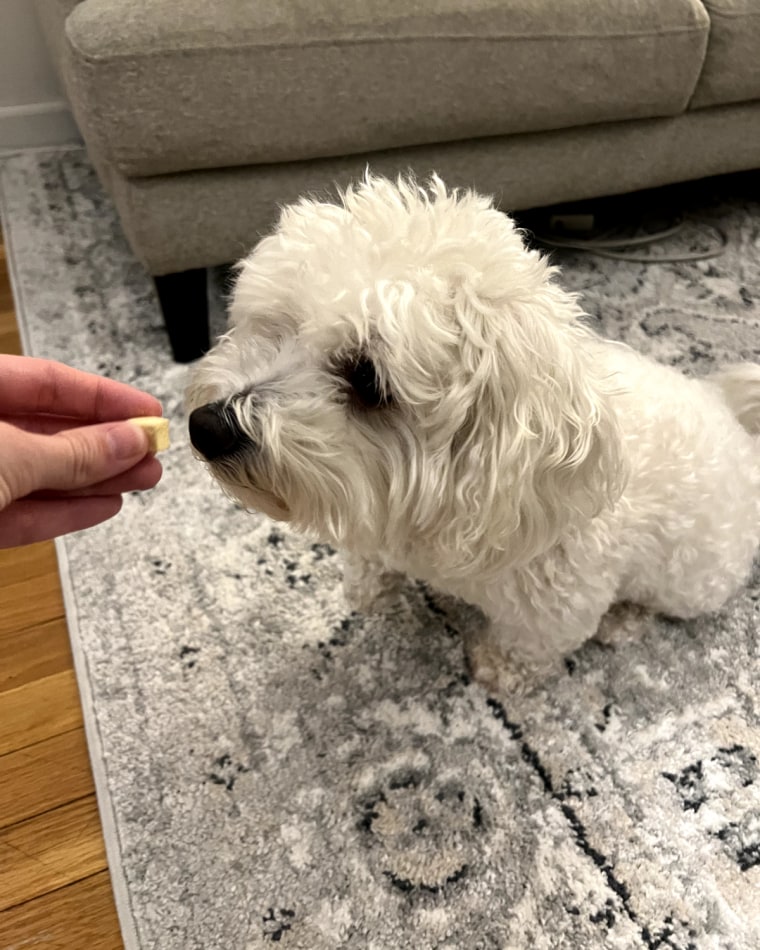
(127, 441)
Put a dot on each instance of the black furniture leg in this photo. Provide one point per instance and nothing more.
(185, 308)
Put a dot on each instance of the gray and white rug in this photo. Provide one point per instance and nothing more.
(275, 769)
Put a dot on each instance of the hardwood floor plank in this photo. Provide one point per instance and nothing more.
(81, 916)
(10, 343)
(33, 560)
(51, 835)
(6, 308)
(44, 776)
(50, 851)
(33, 653)
(31, 601)
(38, 710)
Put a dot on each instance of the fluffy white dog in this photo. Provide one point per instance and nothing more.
(405, 379)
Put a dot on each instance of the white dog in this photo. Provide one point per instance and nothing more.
(404, 379)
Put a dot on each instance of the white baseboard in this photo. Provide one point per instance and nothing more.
(35, 125)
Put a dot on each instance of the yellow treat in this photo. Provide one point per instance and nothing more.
(157, 429)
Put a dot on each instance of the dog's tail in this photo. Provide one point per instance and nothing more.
(740, 385)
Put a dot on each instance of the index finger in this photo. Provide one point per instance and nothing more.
(31, 386)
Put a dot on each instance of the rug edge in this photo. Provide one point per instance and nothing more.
(97, 761)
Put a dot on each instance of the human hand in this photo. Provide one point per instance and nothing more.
(66, 453)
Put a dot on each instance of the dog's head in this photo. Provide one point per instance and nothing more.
(402, 374)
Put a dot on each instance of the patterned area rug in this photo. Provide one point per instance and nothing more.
(273, 768)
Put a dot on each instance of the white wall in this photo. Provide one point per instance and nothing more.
(33, 110)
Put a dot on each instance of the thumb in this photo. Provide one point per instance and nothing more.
(74, 458)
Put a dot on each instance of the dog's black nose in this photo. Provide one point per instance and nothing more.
(213, 431)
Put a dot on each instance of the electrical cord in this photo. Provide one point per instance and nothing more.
(614, 248)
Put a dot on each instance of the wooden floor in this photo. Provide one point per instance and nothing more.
(55, 891)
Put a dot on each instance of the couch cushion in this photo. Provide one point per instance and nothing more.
(170, 85)
(177, 222)
(731, 72)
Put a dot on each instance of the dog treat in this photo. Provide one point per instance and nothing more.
(157, 429)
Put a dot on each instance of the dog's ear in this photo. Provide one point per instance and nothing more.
(539, 444)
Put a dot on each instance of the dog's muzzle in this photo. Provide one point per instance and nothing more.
(214, 431)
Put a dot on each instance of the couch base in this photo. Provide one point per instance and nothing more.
(197, 219)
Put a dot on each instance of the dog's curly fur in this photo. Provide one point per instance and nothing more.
(410, 383)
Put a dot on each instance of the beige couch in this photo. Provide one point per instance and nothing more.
(203, 117)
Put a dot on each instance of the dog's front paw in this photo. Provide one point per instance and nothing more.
(493, 669)
(368, 586)
(509, 662)
(622, 623)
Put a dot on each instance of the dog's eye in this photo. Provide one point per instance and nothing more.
(361, 376)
